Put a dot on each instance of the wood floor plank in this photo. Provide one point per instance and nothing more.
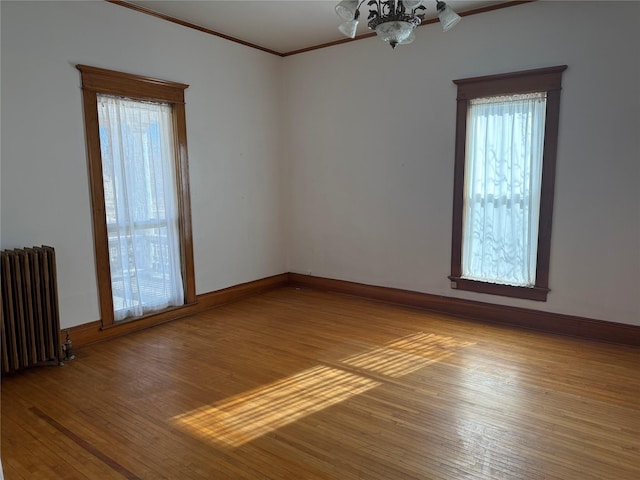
(298, 384)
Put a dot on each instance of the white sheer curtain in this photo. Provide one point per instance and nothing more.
(503, 172)
(136, 140)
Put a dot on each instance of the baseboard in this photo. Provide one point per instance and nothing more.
(515, 316)
(244, 290)
(556, 323)
(93, 332)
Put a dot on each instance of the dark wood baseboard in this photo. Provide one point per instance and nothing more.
(515, 316)
(549, 322)
(93, 332)
(243, 290)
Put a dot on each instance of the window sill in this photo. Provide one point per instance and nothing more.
(530, 293)
(154, 318)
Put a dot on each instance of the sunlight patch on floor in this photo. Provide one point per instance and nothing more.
(245, 417)
(406, 355)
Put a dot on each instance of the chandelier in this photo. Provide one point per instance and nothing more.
(393, 20)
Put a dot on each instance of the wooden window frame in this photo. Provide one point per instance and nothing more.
(101, 81)
(547, 80)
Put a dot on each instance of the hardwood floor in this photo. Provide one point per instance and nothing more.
(297, 384)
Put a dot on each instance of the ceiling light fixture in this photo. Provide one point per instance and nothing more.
(393, 20)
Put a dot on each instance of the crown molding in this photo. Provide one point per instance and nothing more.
(200, 28)
(193, 26)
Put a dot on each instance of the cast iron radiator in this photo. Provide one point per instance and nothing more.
(30, 317)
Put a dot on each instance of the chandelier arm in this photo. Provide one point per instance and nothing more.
(378, 5)
(391, 6)
(357, 14)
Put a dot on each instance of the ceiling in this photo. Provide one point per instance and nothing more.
(279, 26)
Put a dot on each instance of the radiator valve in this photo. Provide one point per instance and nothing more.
(67, 348)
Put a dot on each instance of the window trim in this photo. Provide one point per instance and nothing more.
(98, 80)
(547, 80)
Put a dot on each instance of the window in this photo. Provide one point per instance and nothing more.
(136, 138)
(506, 138)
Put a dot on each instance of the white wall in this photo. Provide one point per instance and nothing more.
(364, 193)
(371, 152)
(233, 137)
